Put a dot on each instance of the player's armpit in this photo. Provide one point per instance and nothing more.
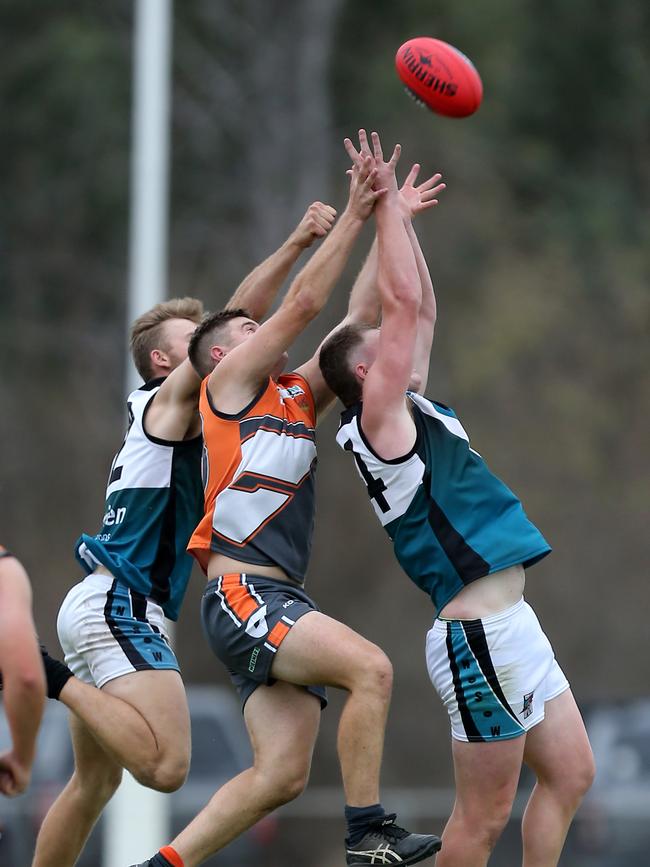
(324, 398)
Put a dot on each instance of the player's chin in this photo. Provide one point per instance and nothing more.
(415, 383)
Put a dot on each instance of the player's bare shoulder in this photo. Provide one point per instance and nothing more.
(173, 412)
(390, 431)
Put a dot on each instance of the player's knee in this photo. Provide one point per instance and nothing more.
(285, 786)
(487, 825)
(292, 786)
(495, 823)
(576, 782)
(163, 775)
(568, 782)
(586, 775)
(378, 674)
(170, 779)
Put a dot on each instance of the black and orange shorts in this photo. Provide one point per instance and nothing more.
(245, 619)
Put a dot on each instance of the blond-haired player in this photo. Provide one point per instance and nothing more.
(254, 544)
(111, 624)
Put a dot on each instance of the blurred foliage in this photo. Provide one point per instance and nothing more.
(539, 252)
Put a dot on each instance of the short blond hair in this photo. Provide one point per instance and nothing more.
(147, 332)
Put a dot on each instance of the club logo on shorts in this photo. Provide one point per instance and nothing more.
(527, 709)
(253, 660)
(257, 626)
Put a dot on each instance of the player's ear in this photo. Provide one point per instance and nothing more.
(217, 353)
(159, 358)
(361, 370)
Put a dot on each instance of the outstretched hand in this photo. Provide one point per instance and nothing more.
(357, 156)
(364, 189)
(415, 199)
(316, 223)
(385, 170)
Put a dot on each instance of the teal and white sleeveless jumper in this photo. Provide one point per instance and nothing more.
(451, 520)
(154, 500)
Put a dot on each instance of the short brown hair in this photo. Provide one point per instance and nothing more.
(334, 361)
(147, 332)
(205, 336)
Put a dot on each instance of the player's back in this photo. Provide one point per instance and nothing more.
(451, 520)
(154, 499)
(258, 470)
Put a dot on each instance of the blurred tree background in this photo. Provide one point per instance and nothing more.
(539, 252)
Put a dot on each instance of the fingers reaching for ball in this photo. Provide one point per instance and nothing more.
(416, 199)
(370, 164)
(364, 188)
(364, 148)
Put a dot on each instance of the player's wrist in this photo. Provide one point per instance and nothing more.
(295, 244)
(22, 757)
(390, 203)
(353, 215)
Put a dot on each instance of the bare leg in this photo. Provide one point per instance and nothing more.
(319, 650)
(142, 722)
(486, 782)
(558, 751)
(282, 722)
(72, 816)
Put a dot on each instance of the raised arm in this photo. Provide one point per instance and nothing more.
(257, 291)
(22, 675)
(416, 199)
(240, 373)
(385, 418)
(173, 414)
(363, 306)
(363, 309)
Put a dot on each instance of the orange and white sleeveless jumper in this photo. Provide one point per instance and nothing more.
(258, 473)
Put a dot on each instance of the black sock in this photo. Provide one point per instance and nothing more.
(359, 819)
(57, 674)
(159, 860)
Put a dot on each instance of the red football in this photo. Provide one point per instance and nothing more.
(440, 76)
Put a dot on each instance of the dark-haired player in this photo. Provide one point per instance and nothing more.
(21, 667)
(254, 544)
(463, 537)
(111, 624)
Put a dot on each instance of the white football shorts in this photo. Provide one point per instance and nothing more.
(495, 674)
(107, 630)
